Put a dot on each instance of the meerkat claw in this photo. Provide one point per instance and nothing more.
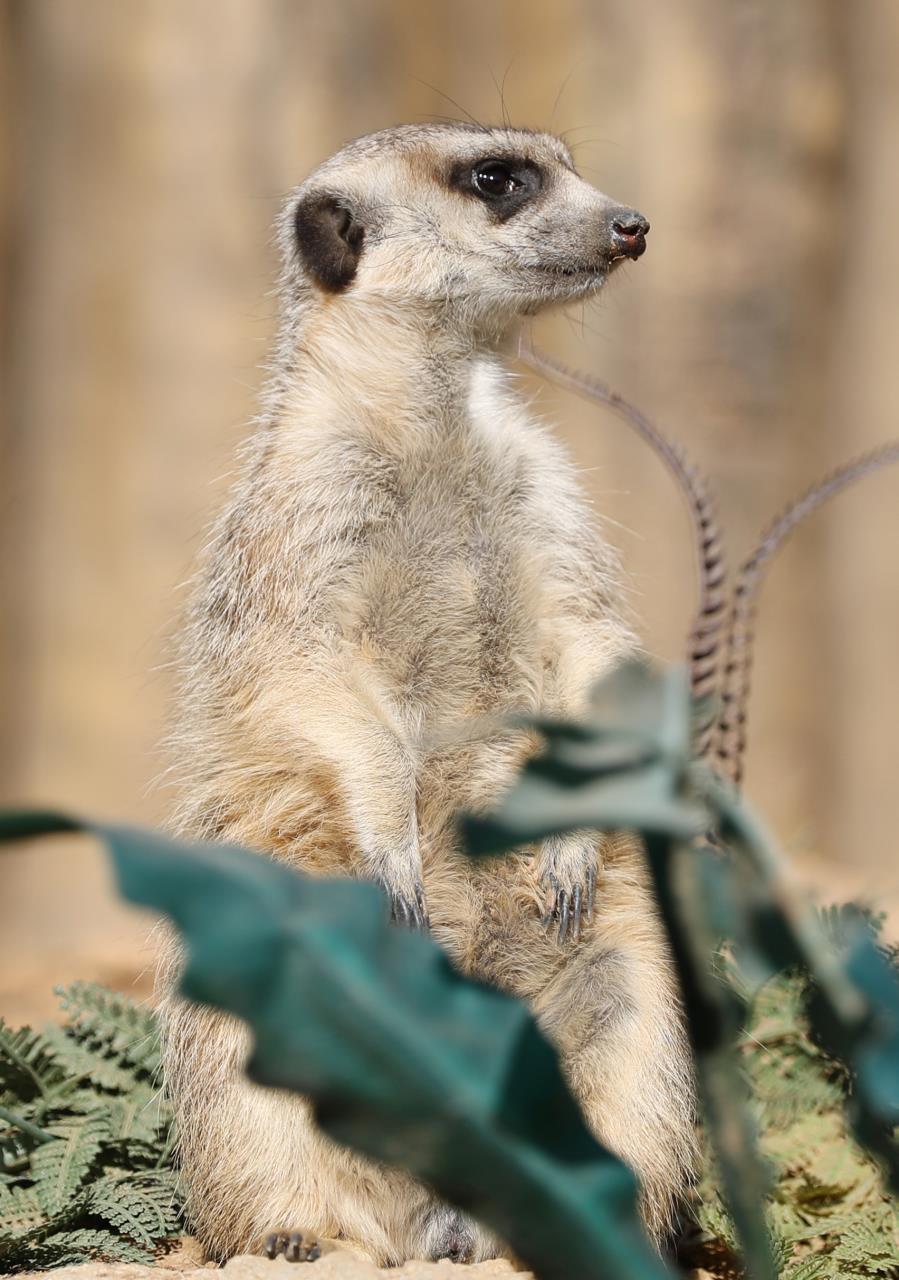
(552, 900)
(411, 913)
(563, 915)
(424, 918)
(576, 913)
(301, 1249)
(570, 907)
(296, 1246)
(570, 896)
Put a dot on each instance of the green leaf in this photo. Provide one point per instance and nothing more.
(628, 767)
(618, 770)
(407, 1060)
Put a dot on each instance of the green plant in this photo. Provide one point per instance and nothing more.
(85, 1137)
(827, 1209)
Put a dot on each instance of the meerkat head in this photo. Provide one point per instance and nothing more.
(492, 223)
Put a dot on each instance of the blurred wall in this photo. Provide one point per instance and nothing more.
(146, 149)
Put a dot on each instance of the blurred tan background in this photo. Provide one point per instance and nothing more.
(146, 147)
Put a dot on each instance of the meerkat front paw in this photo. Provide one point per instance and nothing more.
(296, 1246)
(408, 907)
(567, 867)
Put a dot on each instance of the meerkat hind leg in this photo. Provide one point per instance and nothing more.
(613, 1013)
(255, 1164)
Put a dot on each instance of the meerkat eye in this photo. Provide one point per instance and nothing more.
(504, 186)
(492, 178)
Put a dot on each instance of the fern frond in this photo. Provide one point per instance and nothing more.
(60, 1168)
(143, 1207)
(141, 1113)
(28, 1068)
(103, 1186)
(105, 1018)
(715, 1221)
(88, 1244)
(71, 1248)
(870, 1245)
(828, 1194)
(818, 1266)
(80, 1060)
(20, 1210)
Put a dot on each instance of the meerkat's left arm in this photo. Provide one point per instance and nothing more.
(588, 638)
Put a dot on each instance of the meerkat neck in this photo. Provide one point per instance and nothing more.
(404, 363)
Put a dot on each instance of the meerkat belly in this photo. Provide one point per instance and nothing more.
(447, 602)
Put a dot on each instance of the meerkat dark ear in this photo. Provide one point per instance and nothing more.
(329, 239)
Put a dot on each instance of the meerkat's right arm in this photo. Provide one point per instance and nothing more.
(328, 724)
(352, 733)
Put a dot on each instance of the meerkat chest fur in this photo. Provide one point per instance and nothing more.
(435, 525)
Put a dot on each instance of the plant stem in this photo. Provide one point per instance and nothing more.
(39, 1135)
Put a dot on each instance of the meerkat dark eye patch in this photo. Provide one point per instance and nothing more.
(329, 240)
(504, 185)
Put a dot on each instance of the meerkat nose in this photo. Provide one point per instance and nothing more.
(628, 231)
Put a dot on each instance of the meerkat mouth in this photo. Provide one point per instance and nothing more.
(592, 269)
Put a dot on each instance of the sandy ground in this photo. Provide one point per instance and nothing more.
(335, 1261)
(338, 1264)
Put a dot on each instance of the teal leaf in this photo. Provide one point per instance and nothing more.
(619, 769)
(406, 1059)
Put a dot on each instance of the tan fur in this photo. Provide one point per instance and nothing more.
(407, 548)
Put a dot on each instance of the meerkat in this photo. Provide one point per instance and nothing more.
(406, 548)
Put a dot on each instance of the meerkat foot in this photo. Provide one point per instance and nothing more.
(567, 870)
(448, 1235)
(409, 909)
(451, 1234)
(296, 1246)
